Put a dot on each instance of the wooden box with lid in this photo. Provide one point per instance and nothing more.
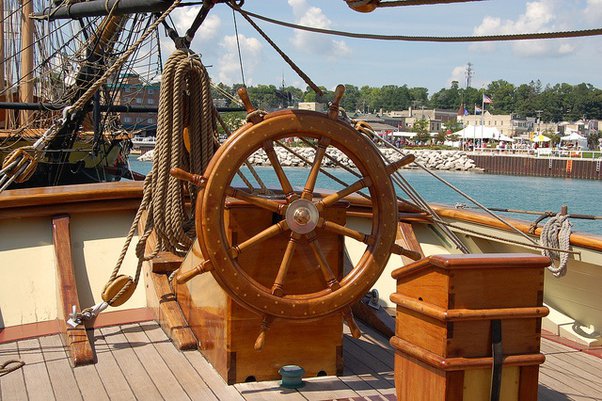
(447, 310)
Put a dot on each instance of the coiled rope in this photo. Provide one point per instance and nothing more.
(185, 109)
(10, 366)
(556, 233)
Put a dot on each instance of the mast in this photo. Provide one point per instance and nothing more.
(2, 58)
(26, 81)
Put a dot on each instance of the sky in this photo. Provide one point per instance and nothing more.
(331, 60)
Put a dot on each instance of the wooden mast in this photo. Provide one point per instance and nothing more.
(4, 114)
(26, 81)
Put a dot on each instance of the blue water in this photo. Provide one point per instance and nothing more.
(494, 191)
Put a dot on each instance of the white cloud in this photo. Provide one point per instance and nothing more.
(457, 74)
(183, 18)
(228, 65)
(313, 43)
(539, 16)
(593, 10)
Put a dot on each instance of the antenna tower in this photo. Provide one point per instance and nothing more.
(469, 73)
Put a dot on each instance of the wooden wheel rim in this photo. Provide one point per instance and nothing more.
(210, 210)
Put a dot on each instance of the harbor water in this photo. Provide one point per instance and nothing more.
(493, 191)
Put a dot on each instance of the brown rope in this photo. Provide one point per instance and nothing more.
(444, 39)
(402, 3)
(185, 102)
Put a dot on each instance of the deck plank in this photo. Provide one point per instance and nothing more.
(326, 388)
(108, 369)
(36, 376)
(267, 391)
(212, 378)
(134, 372)
(60, 371)
(159, 372)
(138, 361)
(12, 385)
(186, 375)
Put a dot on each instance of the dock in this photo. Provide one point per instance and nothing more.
(531, 165)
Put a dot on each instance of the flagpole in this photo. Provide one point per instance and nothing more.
(474, 131)
(482, 113)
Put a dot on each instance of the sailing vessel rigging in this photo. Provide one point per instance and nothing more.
(291, 258)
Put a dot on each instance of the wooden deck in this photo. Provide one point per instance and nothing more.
(137, 361)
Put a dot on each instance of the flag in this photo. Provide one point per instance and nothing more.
(477, 110)
(487, 99)
(465, 111)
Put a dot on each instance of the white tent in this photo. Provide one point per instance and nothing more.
(480, 132)
(404, 134)
(575, 138)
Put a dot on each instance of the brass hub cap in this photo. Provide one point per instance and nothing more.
(302, 216)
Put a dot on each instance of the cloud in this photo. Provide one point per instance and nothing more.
(184, 17)
(593, 10)
(228, 65)
(458, 74)
(539, 16)
(315, 44)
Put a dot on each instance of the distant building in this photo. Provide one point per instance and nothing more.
(132, 91)
(508, 124)
(313, 106)
(407, 118)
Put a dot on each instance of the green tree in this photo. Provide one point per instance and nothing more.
(502, 93)
(421, 128)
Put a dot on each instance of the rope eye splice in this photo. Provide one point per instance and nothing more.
(556, 233)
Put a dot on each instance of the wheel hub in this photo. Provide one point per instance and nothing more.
(302, 216)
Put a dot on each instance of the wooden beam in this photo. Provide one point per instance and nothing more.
(168, 312)
(75, 338)
(406, 237)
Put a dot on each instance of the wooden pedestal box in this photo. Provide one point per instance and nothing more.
(227, 332)
(443, 338)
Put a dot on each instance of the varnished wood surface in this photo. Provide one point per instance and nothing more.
(70, 194)
(121, 374)
(591, 241)
(76, 338)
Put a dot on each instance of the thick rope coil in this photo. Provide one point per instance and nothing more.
(185, 109)
(556, 233)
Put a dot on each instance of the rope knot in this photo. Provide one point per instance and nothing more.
(556, 233)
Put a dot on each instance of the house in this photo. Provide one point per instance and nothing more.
(511, 125)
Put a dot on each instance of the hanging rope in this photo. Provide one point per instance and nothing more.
(186, 120)
(556, 233)
(441, 39)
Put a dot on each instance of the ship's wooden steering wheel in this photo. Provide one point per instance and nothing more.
(301, 214)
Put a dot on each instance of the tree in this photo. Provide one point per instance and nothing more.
(502, 93)
(421, 128)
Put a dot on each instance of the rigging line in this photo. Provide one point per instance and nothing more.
(290, 62)
(443, 39)
(242, 71)
(402, 3)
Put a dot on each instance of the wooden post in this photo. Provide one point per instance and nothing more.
(75, 338)
(26, 81)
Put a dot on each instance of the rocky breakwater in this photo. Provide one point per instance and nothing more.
(304, 156)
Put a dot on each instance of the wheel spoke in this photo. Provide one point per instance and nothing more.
(268, 233)
(287, 188)
(334, 198)
(257, 200)
(329, 277)
(308, 191)
(342, 230)
(285, 264)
